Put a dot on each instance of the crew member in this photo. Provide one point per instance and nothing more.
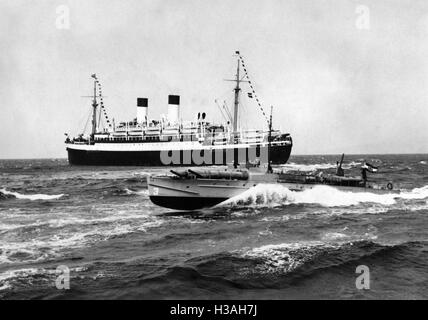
(364, 169)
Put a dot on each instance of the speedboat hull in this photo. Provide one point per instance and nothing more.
(175, 192)
(193, 194)
(186, 203)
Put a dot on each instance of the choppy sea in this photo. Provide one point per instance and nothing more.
(270, 243)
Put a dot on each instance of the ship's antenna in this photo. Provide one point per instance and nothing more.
(269, 170)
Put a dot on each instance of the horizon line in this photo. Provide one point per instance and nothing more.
(292, 155)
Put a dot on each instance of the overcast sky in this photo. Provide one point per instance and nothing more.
(339, 81)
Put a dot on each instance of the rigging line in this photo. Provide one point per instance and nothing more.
(221, 111)
(252, 88)
(99, 118)
(226, 108)
(224, 95)
(103, 108)
(87, 120)
(227, 112)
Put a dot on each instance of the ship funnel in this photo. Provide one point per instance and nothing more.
(142, 110)
(173, 109)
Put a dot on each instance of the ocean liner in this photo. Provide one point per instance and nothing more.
(171, 141)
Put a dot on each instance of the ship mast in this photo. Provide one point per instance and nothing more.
(94, 106)
(269, 168)
(237, 90)
(236, 106)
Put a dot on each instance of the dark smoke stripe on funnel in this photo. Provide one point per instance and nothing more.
(142, 102)
(173, 99)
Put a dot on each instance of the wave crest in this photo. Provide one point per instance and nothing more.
(273, 195)
(31, 197)
(317, 166)
(277, 195)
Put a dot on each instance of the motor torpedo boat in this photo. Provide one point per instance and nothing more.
(194, 188)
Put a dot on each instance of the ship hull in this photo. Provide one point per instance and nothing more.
(186, 203)
(279, 155)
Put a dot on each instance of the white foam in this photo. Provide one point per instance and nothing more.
(351, 164)
(415, 194)
(5, 286)
(143, 192)
(18, 273)
(121, 216)
(308, 167)
(283, 257)
(355, 210)
(317, 166)
(150, 224)
(4, 258)
(142, 173)
(92, 230)
(31, 197)
(9, 275)
(276, 194)
(334, 236)
(286, 257)
(284, 218)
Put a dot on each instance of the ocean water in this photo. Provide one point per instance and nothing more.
(269, 243)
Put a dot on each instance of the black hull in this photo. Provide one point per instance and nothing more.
(184, 203)
(279, 155)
